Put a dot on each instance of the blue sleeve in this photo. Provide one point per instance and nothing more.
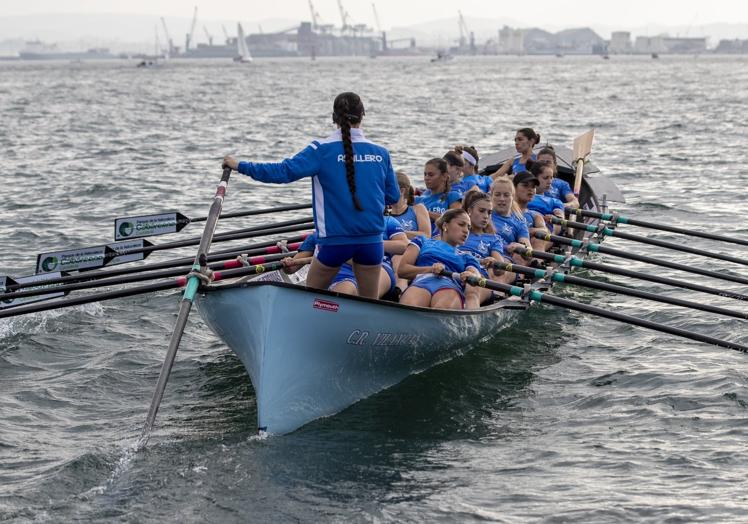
(391, 187)
(452, 197)
(564, 189)
(393, 227)
(557, 204)
(498, 245)
(303, 164)
(470, 260)
(309, 243)
(417, 241)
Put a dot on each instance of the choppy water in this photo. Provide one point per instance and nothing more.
(563, 418)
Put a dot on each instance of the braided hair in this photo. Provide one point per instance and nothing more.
(346, 110)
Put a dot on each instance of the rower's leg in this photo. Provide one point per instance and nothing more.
(416, 296)
(345, 286)
(368, 279)
(320, 276)
(447, 299)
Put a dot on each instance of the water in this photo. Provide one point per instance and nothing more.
(563, 418)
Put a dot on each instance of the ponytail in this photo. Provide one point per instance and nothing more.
(348, 109)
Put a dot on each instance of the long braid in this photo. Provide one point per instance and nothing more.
(350, 170)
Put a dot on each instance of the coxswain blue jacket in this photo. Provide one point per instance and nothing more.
(335, 217)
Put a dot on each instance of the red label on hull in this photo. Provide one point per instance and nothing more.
(325, 305)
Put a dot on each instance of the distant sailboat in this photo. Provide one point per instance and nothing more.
(241, 47)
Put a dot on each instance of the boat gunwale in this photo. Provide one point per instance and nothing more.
(504, 303)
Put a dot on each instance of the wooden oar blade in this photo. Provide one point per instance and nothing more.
(6, 282)
(583, 145)
(93, 257)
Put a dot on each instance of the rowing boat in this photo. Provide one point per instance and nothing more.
(312, 353)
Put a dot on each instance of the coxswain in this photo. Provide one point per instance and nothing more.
(525, 141)
(352, 182)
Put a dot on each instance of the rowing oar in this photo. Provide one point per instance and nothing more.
(595, 266)
(269, 247)
(597, 248)
(176, 283)
(606, 231)
(173, 222)
(193, 282)
(537, 296)
(580, 151)
(619, 219)
(146, 275)
(557, 276)
(70, 260)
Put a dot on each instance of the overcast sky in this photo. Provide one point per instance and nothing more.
(568, 13)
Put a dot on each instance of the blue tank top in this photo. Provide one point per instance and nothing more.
(530, 218)
(408, 220)
(510, 228)
(481, 245)
(518, 166)
(483, 182)
(432, 251)
(435, 204)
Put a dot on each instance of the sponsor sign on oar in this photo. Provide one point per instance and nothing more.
(149, 225)
(6, 282)
(94, 257)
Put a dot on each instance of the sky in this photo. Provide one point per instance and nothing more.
(394, 13)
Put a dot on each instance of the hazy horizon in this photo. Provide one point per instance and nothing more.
(394, 13)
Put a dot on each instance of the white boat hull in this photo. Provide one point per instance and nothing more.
(312, 354)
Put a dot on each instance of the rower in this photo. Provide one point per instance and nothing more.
(438, 196)
(524, 142)
(455, 165)
(558, 188)
(352, 181)
(414, 218)
(470, 177)
(483, 242)
(545, 205)
(425, 259)
(507, 218)
(525, 184)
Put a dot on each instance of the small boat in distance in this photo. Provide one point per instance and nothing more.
(243, 56)
(655, 55)
(442, 56)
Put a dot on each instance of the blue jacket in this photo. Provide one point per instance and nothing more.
(335, 217)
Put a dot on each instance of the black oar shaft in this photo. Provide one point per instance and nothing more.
(138, 277)
(586, 308)
(254, 212)
(193, 282)
(662, 227)
(250, 249)
(595, 266)
(606, 231)
(589, 246)
(615, 288)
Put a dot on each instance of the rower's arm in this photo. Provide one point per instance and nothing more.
(397, 244)
(304, 164)
(407, 268)
(423, 221)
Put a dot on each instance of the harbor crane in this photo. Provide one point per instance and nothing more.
(226, 34)
(169, 41)
(317, 24)
(189, 36)
(344, 17)
(208, 35)
(376, 17)
(465, 33)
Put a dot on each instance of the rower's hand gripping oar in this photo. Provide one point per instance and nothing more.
(193, 283)
(537, 296)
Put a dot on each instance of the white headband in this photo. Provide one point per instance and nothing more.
(470, 158)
